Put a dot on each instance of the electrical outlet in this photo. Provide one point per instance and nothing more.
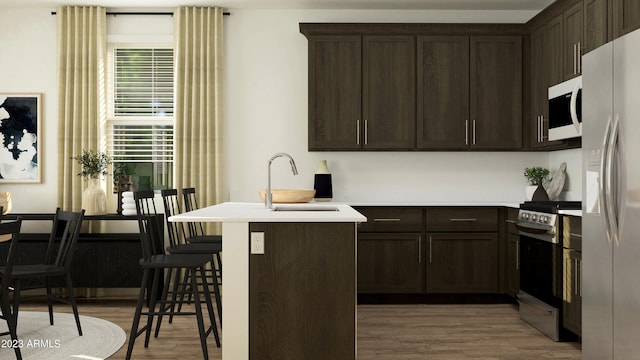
(257, 243)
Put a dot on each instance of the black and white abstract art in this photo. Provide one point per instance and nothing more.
(20, 133)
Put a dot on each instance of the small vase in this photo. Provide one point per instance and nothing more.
(529, 190)
(94, 199)
(322, 182)
(540, 194)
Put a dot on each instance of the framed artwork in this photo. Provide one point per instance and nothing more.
(20, 138)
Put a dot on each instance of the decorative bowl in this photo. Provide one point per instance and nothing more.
(289, 195)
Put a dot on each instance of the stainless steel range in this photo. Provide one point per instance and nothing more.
(541, 277)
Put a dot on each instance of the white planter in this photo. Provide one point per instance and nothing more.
(94, 199)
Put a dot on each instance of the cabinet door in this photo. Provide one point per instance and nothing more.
(496, 92)
(335, 84)
(513, 264)
(539, 88)
(390, 263)
(543, 41)
(626, 16)
(572, 296)
(596, 24)
(389, 92)
(443, 92)
(573, 41)
(554, 34)
(462, 263)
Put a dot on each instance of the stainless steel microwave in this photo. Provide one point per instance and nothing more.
(565, 109)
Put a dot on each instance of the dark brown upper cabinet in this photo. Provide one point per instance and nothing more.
(443, 92)
(573, 42)
(335, 92)
(626, 16)
(495, 92)
(414, 86)
(388, 92)
(596, 24)
(361, 92)
(470, 92)
(546, 69)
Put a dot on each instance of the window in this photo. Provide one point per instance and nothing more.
(140, 114)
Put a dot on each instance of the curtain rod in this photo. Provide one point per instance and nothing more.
(143, 13)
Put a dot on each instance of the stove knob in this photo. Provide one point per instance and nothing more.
(525, 216)
(543, 218)
(534, 217)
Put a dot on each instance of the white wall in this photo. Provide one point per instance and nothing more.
(266, 112)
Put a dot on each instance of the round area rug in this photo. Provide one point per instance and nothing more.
(39, 340)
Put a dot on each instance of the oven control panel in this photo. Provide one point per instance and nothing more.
(534, 217)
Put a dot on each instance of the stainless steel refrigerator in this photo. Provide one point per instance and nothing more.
(611, 201)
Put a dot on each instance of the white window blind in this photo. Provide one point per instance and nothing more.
(143, 82)
(142, 143)
(140, 117)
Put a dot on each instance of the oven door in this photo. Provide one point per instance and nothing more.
(541, 268)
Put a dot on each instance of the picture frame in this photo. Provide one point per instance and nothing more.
(20, 137)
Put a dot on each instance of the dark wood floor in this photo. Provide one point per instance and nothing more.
(393, 332)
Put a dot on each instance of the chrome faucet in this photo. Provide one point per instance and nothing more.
(267, 197)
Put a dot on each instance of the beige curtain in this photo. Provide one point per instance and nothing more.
(198, 108)
(82, 46)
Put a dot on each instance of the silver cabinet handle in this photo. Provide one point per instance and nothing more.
(366, 132)
(539, 129)
(430, 249)
(466, 132)
(419, 249)
(463, 220)
(575, 235)
(579, 58)
(575, 59)
(510, 221)
(474, 132)
(358, 132)
(518, 254)
(385, 220)
(575, 277)
(580, 278)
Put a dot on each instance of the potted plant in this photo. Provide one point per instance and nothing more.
(535, 177)
(94, 165)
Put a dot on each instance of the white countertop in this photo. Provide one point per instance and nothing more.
(256, 212)
(433, 203)
(570, 212)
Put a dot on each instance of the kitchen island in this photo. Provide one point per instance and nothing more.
(289, 279)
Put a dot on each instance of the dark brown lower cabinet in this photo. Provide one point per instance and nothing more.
(513, 264)
(302, 292)
(462, 263)
(572, 297)
(390, 263)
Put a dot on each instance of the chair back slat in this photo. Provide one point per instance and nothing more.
(196, 229)
(11, 229)
(64, 238)
(150, 224)
(171, 202)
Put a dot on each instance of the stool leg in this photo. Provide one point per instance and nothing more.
(212, 318)
(152, 304)
(163, 302)
(196, 300)
(136, 318)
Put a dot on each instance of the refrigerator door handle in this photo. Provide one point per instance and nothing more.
(602, 184)
(612, 181)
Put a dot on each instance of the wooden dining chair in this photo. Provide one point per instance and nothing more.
(196, 231)
(156, 263)
(12, 230)
(55, 265)
(179, 244)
